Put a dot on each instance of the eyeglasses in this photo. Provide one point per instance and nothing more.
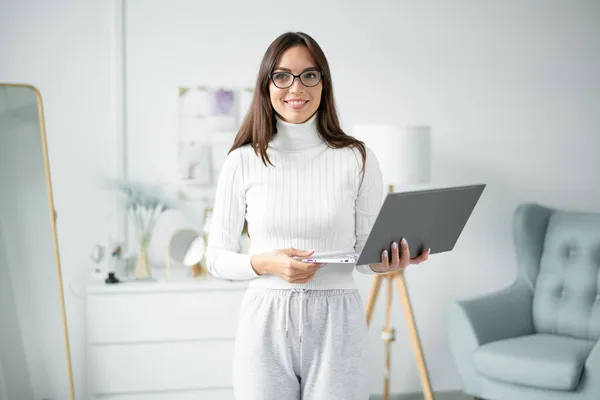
(284, 80)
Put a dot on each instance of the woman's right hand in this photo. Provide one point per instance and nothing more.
(281, 263)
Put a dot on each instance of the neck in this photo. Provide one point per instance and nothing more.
(296, 136)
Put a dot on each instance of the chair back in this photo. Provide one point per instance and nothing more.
(559, 254)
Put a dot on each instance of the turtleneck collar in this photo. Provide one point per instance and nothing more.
(293, 137)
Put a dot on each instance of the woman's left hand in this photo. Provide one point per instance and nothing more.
(399, 262)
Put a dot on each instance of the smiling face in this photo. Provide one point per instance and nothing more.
(298, 103)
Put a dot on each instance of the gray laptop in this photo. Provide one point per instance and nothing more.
(432, 218)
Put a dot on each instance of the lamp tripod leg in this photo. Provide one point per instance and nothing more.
(372, 299)
(388, 337)
(414, 334)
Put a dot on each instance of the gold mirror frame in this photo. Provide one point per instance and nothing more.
(53, 216)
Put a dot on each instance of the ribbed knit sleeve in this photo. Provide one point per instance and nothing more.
(223, 257)
(367, 206)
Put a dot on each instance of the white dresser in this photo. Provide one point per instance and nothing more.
(162, 340)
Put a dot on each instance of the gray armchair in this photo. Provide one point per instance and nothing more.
(537, 339)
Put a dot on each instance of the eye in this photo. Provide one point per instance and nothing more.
(280, 75)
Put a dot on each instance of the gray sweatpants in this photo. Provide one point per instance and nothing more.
(297, 344)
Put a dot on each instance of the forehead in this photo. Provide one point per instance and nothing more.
(296, 59)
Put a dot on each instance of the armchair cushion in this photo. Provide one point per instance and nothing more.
(542, 361)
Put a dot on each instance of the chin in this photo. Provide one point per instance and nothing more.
(295, 117)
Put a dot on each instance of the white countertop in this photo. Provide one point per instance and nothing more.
(164, 286)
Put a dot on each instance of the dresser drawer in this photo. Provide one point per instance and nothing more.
(151, 367)
(146, 317)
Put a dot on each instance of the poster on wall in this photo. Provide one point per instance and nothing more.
(208, 119)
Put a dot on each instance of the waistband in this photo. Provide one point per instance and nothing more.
(329, 277)
(303, 293)
(306, 292)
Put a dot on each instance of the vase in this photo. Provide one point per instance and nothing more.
(142, 266)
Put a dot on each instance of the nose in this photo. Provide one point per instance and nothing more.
(296, 86)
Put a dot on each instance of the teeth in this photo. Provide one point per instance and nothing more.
(296, 103)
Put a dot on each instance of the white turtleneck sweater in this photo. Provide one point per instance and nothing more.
(310, 200)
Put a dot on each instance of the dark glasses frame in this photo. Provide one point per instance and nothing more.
(299, 76)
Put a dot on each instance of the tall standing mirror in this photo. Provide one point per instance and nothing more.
(34, 346)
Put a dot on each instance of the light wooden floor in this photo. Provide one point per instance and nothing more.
(419, 396)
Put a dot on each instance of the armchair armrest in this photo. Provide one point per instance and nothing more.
(495, 316)
(591, 374)
(473, 322)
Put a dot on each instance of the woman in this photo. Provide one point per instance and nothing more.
(300, 183)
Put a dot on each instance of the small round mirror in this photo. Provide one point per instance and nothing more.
(186, 247)
(195, 253)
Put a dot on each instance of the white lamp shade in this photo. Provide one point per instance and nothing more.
(404, 154)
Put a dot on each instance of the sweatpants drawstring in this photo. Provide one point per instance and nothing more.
(287, 315)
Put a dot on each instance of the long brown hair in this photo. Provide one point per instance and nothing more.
(259, 124)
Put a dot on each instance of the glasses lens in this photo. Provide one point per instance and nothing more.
(282, 79)
(310, 78)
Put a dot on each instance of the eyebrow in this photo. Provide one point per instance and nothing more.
(289, 70)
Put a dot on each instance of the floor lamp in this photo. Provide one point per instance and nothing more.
(404, 156)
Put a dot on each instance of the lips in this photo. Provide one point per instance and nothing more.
(296, 104)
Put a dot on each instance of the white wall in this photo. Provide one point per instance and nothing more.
(63, 47)
(511, 89)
